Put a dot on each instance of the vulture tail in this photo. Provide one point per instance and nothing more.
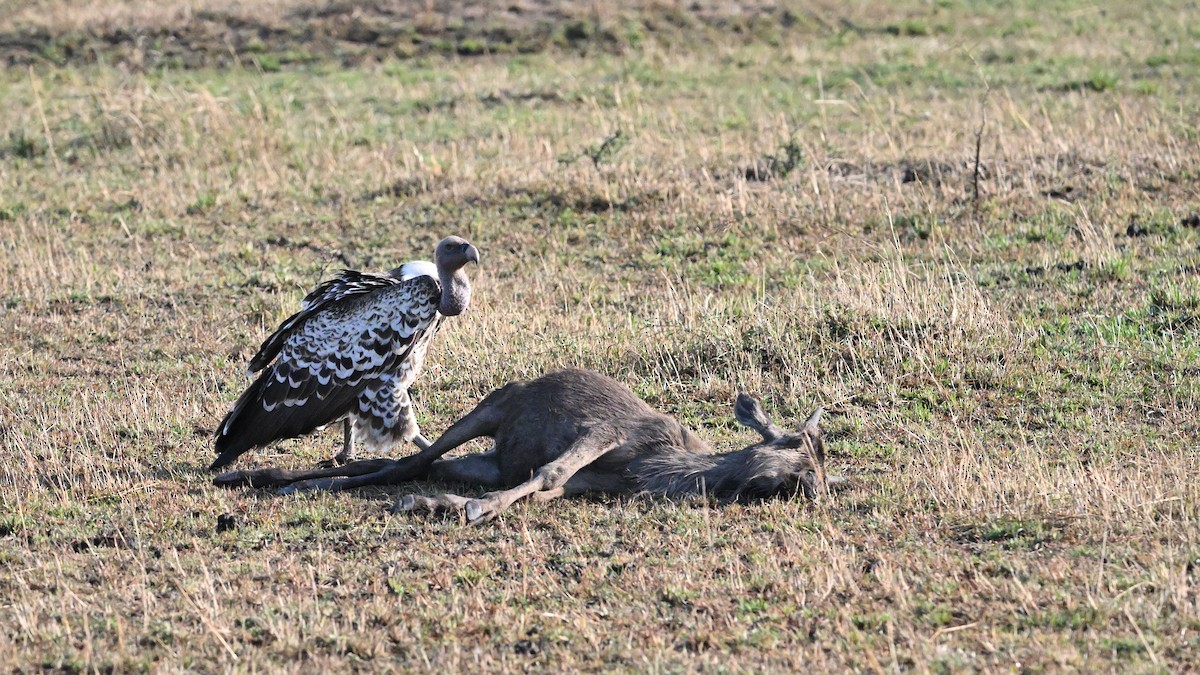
(236, 433)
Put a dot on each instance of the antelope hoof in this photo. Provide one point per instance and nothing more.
(232, 479)
(413, 503)
(481, 510)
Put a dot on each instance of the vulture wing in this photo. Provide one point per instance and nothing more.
(351, 331)
(345, 285)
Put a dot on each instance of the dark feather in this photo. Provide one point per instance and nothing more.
(249, 425)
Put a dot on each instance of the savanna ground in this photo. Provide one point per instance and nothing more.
(693, 199)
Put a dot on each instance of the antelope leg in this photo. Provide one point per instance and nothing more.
(472, 469)
(547, 495)
(438, 504)
(278, 477)
(586, 449)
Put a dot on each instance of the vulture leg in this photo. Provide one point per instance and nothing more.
(347, 453)
(421, 442)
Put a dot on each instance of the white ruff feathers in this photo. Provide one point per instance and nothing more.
(418, 268)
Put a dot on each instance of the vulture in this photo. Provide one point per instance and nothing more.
(350, 354)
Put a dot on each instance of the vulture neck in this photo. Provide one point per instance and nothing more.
(456, 291)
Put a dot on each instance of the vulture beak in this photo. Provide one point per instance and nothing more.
(471, 253)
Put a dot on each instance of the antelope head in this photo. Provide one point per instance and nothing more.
(785, 460)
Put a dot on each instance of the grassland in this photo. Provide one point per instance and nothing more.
(969, 229)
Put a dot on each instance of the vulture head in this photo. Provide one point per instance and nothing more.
(451, 255)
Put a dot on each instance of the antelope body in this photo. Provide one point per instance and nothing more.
(574, 431)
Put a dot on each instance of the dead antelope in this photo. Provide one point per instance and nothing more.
(574, 431)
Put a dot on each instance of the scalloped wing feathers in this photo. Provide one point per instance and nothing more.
(345, 285)
(353, 350)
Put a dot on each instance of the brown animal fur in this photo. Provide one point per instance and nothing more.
(573, 431)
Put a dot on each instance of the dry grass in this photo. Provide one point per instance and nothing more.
(1013, 383)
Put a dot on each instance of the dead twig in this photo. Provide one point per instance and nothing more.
(37, 97)
(983, 120)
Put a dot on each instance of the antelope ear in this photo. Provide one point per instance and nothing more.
(749, 412)
(812, 426)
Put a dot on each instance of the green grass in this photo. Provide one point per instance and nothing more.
(787, 209)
